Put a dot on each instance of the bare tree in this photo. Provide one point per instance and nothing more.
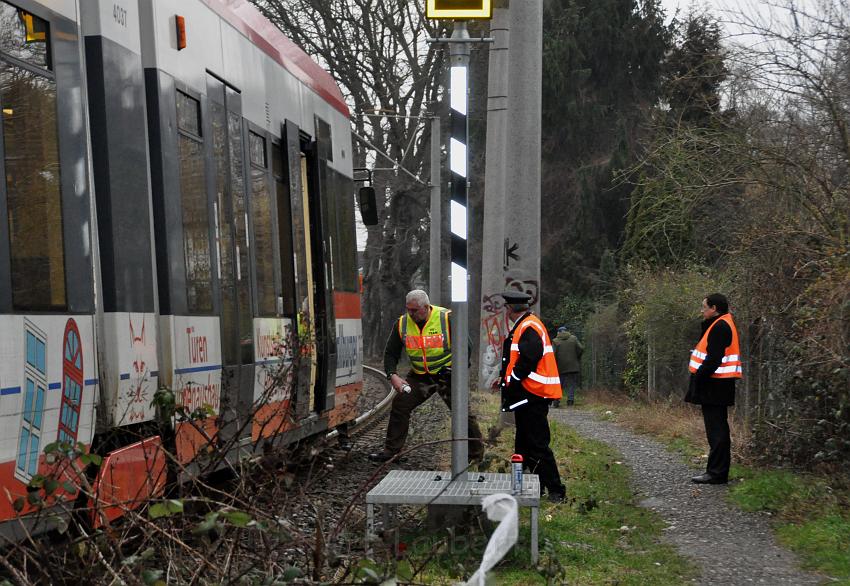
(761, 191)
(378, 54)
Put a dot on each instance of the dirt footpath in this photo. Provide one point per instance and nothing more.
(729, 545)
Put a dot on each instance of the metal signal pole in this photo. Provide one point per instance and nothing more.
(435, 261)
(460, 45)
(459, 49)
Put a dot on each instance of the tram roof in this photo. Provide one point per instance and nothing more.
(247, 19)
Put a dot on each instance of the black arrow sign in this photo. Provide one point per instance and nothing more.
(510, 253)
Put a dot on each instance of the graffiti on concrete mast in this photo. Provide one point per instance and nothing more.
(496, 326)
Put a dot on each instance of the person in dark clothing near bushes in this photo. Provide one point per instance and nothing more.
(715, 364)
(568, 351)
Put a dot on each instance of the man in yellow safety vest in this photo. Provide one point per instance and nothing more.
(423, 332)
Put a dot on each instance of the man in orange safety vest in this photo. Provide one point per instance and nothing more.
(715, 364)
(529, 383)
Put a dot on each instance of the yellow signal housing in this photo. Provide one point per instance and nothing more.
(459, 9)
(36, 29)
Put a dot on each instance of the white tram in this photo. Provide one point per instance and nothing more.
(178, 195)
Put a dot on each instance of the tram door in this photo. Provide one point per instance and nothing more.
(230, 210)
(313, 303)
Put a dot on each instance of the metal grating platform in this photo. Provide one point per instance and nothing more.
(419, 487)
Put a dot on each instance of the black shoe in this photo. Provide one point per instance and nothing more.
(381, 456)
(708, 479)
(570, 402)
(556, 404)
(344, 444)
(556, 497)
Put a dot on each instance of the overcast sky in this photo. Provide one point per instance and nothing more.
(670, 6)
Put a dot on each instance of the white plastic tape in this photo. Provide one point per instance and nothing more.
(499, 507)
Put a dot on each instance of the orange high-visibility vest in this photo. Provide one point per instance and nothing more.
(543, 381)
(730, 366)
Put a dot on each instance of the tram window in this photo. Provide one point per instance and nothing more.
(340, 203)
(325, 140)
(196, 242)
(188, 114)
(346, 235)
(24, 36)
(33, 189)
(284, 227)
(261, 211)
(240, 225)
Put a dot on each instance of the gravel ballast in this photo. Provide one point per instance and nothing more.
(729, 546)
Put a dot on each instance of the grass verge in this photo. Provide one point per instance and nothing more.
(812, 518)
(600, 536)
(811, 515)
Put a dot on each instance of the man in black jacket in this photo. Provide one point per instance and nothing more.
(528, 401)
(715, 364)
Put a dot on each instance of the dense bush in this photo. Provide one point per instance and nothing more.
(663, 326)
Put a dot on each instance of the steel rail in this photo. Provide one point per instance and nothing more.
(365, 418)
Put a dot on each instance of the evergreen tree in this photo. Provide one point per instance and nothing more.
(696, 69)
(603, 66)
(689, 172)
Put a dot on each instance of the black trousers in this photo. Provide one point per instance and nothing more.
(719, 442)
(422, 387)
(532, 441)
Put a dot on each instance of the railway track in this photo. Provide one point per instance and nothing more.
(373, 414)
(338, 479)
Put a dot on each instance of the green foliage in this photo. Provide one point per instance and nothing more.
(572, 311)
(602, 59)
(136, 558)
(290, 574)
(165, 508)
(687, 198)
(153, 577)
(686, 181)
(368, 572)
(804, 348)
(664, 320)
(695, 70)
(603, 65)
(165, 402)
(606, 345)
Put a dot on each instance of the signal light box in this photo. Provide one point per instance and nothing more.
(459, 9)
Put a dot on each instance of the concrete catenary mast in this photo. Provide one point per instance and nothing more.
(511, 231)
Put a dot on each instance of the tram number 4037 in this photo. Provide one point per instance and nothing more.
(119, 14)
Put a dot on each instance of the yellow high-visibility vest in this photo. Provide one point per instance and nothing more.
(429, 349)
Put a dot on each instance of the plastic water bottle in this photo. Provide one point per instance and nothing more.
(516, 474)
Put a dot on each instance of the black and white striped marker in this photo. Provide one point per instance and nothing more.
(458, 163)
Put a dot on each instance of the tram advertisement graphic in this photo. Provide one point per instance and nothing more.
(272, 357)
(197, 367)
